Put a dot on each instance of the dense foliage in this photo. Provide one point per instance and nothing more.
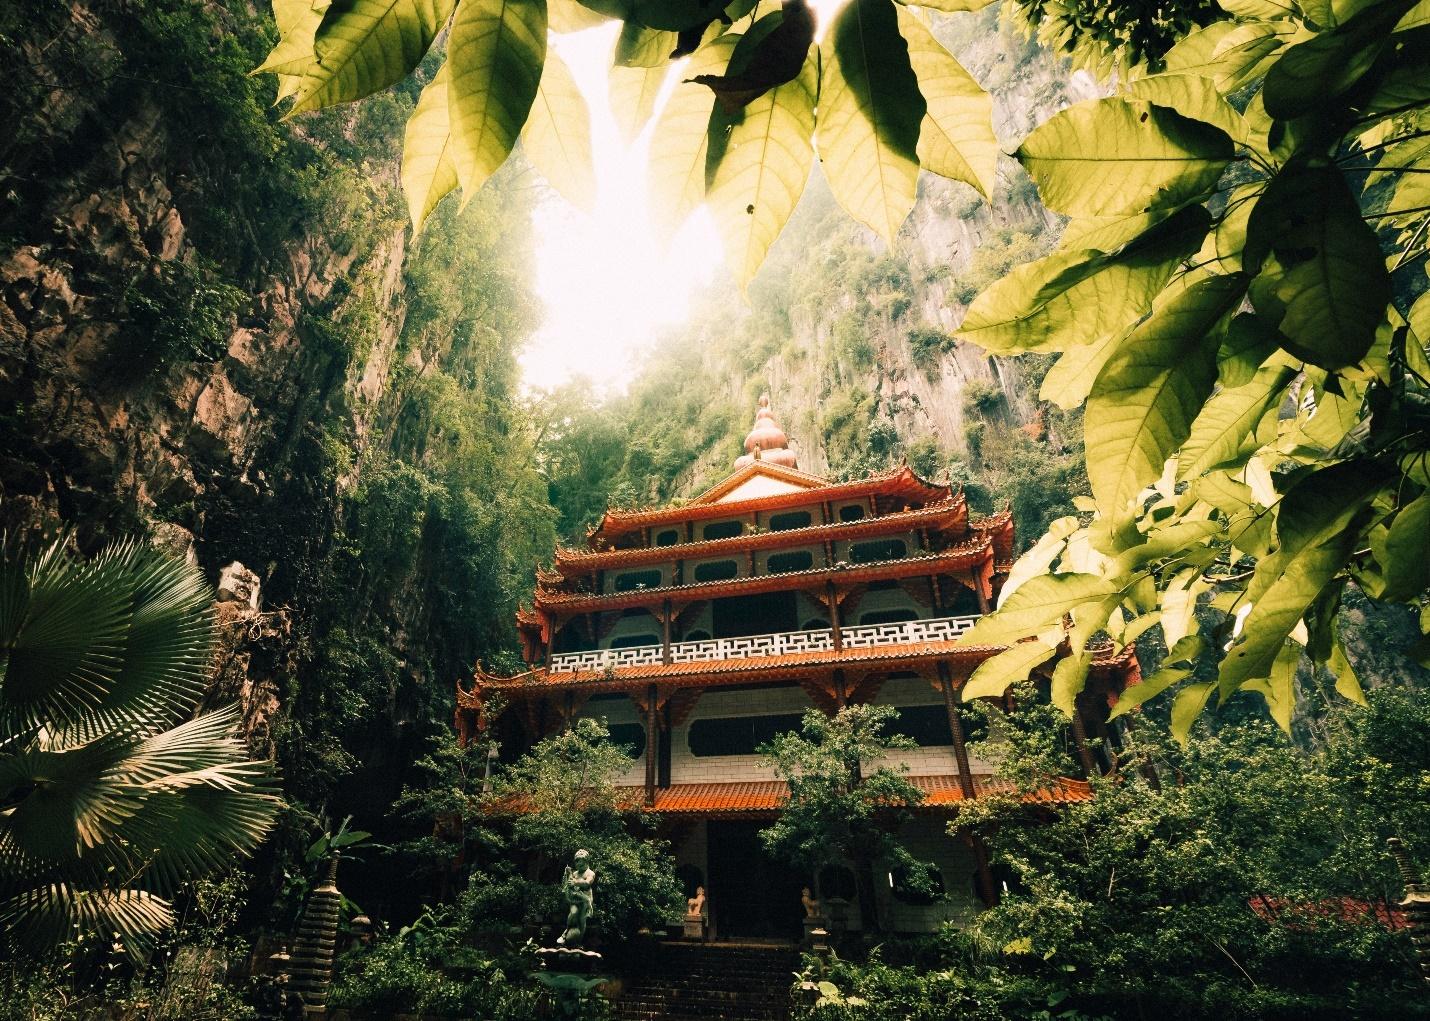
(845, 801)
(1231, 262)
(1239, 877)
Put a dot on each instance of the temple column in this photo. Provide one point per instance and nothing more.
(652, 742)
(987, 889)
(665, 633)
(832, 600)
(1084, 754)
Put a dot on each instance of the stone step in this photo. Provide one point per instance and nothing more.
(710, 982)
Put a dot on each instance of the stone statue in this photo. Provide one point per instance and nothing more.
(577, 885)
(696, 905)
(811, 906)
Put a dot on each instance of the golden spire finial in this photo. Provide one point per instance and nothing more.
(767, 441)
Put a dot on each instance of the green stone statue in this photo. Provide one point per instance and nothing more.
(577, 885)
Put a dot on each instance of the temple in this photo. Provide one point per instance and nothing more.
(699, 631)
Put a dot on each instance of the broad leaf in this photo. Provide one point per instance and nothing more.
(1279, 686)
(1081, 297)
(1228, 421)
(1404, 553)
(633, 94)
(1116, 157)
(1316, 537)
(1009, 667)
(638, 46)
(956, 137)
(1039, 558)
(496, 52)
(1175, 668)
(557, 138)
(1192, 96)
(1070, 380)
(680, 139)
(1186, 707)
(870, 109)
(762, 171)
(1325, 284)
(363, 46)
(1144, 401)
(1038, 603)
(1311, 74)
(428, 171)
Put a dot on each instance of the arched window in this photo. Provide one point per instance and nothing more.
(837, 883)
(878, 549)
(719, 570)
(632, 580)
(667, 538)
(738, 735)
(697, 636)
(630, 736)
(888, 616)
(634, 641)
(815, 624)
(789, 519)
(723, 529)
(794, 560)
(851, 512)
(908, 889)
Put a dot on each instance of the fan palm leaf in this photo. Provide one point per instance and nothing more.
(110, 797)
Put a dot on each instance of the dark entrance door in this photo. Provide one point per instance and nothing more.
(764, 614)
(751, 896)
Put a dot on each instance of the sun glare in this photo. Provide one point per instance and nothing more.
(607, 282)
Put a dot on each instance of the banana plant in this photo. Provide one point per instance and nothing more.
(113, 792)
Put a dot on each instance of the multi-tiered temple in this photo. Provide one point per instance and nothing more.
(700, 631)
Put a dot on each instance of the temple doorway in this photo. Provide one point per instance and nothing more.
(757, 898)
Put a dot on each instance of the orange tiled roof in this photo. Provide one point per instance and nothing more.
(948, 514)
(961, 557)
(767, 797)
(895, 482)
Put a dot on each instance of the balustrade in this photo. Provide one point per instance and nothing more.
(865, 636)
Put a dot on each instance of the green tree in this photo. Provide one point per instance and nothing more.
(845, 801)
(1238, 303)
(114, 794)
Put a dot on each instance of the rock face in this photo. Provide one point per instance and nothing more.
(99, 263)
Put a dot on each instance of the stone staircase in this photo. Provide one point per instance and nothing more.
(710, 982)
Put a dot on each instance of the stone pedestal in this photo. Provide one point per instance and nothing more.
(815, 930)
(695, 926)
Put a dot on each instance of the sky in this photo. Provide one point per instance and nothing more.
(607, 284)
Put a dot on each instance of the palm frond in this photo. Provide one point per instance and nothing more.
(52, 913)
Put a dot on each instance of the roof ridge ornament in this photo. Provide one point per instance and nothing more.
(767, 441)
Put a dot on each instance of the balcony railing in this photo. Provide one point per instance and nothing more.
(864, 636)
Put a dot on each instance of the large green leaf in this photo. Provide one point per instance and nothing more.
(633, 93)
(870, 109)
(1145, 399)
(1186, 707)
(1404, 552)
(1037, 604)
(1116, 157)
(1081, 297)
(428, 172)
(298, 22)
(1175, 668)
(1036, 561)
(1070, 380)
(1191, 95)
(762, 171)
(638, 46)
(362, 46)
(1315, 525)
(680, 140)
(956, 137)
(496, 52)
(557, 138)
(1322, 280)
(1229, 420)
(1312, 73)
(1011, 666)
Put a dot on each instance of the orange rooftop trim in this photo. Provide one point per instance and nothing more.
(901, 481)
(948, 514)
